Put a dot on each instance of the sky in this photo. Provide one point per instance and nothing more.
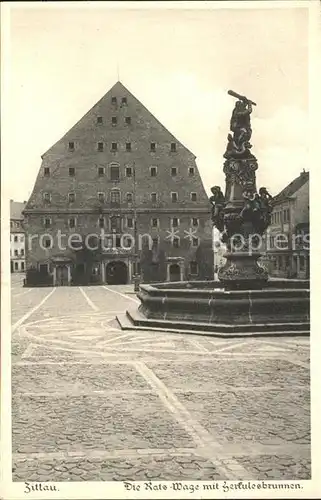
(179, 63)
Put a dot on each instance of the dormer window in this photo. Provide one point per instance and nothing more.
(47, 197)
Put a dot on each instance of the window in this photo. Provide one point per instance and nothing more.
(129, 171)
(176, 242)
(47, 243)
(71, 197)
(153, 171)
(173, 147)
(128, 120)
(72, 222)
(47, 221)
(99, 120)
(193, 196)
(114, 120)
(127, 242)
(128, 146)
(129, 197)
(101, 171)
(154, 222)
(114, 146)
(114, 100)
(115, 197)
(195, 242)
(193, 266)
(71, 171)
(22, 266)
(301, 261)
(100, 146)
(43, 268)
(153, 146)
(101, 222)
(11, 224)
(153, 197)
(15, 239)
(47, 197)
(101, 197)
(173, 171)
(175, 222)
(115, 224)
(174, 197)
(16, 266)
(22, 239)
(195, 222)
(16, 253)
(124, 100)
(71, 146)
(114, 173)
(46, 171)
(191, 171)
(130, 222)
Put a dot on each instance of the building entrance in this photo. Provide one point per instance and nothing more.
(62, 276)
(174, 272)
(116, 273)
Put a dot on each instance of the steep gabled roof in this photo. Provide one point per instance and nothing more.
(16, 208)
(119, 87)
(292, 188)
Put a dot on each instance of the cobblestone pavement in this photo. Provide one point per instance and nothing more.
(91, 402)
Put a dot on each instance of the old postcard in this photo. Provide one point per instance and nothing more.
(156, 260)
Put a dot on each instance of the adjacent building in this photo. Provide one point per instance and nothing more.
(287, 239)
(17, 237)
(118, 195)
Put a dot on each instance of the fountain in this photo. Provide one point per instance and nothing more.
(244, 301)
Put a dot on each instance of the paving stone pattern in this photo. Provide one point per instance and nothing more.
(93, 403)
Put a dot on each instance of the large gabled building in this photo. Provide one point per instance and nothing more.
(115, 176)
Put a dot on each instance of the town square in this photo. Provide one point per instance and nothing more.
(158, 249)
(93, 403)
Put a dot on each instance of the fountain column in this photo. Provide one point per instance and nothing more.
(242, 215)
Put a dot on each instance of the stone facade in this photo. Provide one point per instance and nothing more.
(287, 252)
(118, 165)
(17, 237)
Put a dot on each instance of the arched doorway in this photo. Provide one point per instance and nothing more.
(174, 272)
(116, 273)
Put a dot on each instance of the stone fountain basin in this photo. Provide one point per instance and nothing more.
(282, 307)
